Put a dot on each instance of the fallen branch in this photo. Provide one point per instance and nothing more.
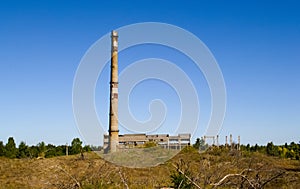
(272, 178)
(233, 175)
(123, 180)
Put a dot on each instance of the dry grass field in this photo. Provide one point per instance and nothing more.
(213, 169)
(140, 157)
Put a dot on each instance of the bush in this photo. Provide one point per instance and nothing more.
(150, 144)
(179, 177)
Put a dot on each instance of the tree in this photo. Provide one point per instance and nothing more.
(76, 146)
(60, 150)
(1, 149)
(295, 148)
(10, 148)
(254, 148)
(87, 148)
(199, 144)
(51, 151)
(23, 150)
(41, 149)
(270, 148)
(248, 147)
(33, 152)
(291, 154)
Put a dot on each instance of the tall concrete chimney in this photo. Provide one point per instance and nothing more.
(113, 112)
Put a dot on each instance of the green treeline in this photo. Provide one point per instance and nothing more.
(291, 150)
(10, 150)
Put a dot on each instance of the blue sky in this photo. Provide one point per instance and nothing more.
(256, 44)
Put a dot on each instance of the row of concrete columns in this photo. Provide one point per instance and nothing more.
(215, 140)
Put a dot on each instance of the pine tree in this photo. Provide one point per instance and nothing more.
(10, 148)
(23, 150)
(1, 149)
(76, 146)
(42, 149)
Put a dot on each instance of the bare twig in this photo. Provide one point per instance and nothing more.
(123, 179)
(180, 171)
(233, 175)
(272, 178)
(77, 183)
(247, 170)
(180, 183)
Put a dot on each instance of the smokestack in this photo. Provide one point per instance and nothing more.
(113, 113)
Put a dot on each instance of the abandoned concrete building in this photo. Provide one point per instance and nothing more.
(138, 140)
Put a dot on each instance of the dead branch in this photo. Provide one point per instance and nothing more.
(123, 179)
(180, 183)
(77, 183)
(272, 178)
(233, 175)
(246, 170)
(180, 171)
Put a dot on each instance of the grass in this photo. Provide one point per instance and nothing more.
(95, 172)
(140, 157)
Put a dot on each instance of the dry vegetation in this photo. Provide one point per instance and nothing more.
(213, 169)
(140, 157)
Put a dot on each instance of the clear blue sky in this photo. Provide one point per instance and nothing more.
(256, 43)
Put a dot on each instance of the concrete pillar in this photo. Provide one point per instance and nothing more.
(231, 143)
(239, 143)
(179, 142)
(113, 113)
(67, 150)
